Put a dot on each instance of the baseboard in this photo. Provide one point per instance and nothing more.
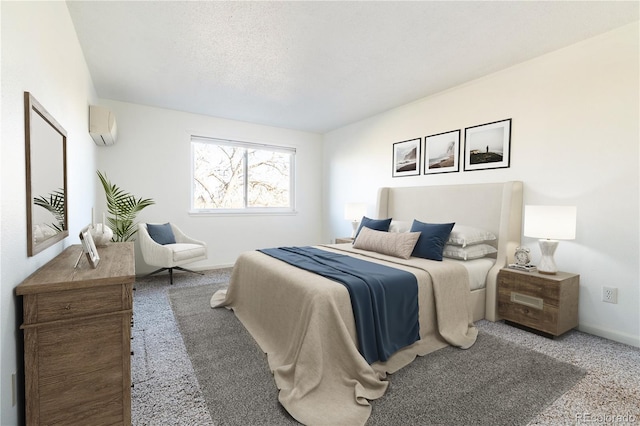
(210, 267)
(614, 335)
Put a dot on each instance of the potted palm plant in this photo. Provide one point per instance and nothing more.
(123, 209)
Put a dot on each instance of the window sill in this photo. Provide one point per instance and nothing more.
(252, 212)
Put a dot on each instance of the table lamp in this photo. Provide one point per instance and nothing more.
(354, 212)
(549, 224)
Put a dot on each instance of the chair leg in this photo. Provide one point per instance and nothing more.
(155, 272)
(188, 270)
(181, 269)
(160, 270)
(171, 272)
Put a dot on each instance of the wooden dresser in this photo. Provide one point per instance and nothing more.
(77, 331)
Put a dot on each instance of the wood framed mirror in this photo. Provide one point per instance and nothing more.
(46, 170)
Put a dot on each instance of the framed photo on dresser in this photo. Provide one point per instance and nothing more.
(89, 247)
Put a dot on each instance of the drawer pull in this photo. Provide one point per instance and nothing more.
(67, 307)
(523, 299)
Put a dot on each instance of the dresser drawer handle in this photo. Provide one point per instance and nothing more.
(67, 307)
(530, 301)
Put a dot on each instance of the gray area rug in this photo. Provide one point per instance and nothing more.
(494, 382)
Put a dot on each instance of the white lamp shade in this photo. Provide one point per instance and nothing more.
(550, 222)
(355, 211)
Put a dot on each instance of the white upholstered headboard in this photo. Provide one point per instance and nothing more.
(496, 207)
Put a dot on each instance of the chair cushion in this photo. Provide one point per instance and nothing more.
(182, 251)
(161, 234)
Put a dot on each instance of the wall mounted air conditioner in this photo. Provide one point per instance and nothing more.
(102, 125)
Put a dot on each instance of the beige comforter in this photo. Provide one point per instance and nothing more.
(305, 325)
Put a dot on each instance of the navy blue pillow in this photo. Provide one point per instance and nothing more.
(433, 237)
(161, 234)
(375, 224)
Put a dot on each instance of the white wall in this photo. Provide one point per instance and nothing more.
(151, 159)
(575, 139)
(40, 54)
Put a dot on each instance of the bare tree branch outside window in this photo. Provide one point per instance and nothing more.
(228, 176)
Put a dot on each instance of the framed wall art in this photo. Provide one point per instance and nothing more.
(487, 146)
(442, 152)
(406, 158)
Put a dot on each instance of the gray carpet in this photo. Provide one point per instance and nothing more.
(494, 382)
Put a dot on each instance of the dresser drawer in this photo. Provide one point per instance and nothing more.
(81, 381)
(45, 307)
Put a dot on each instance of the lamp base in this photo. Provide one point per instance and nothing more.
(354, 224)
(547, 264)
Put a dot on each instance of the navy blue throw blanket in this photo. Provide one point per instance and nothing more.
(384, 299)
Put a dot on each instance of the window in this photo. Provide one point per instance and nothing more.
(231, 176)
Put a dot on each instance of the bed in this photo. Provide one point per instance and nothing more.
(305, 323)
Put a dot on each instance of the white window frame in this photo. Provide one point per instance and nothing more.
(245, 210)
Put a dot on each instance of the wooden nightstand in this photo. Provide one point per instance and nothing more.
(342, 240)
(547, 303)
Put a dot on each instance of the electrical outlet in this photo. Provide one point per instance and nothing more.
(610, 294)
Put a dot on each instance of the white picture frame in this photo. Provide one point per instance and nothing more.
(89, 247)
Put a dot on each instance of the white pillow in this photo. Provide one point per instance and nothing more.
(462, 235)
(399, 226)
(391, 243)
(475, 251)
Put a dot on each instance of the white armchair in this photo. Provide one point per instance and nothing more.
(170, 256)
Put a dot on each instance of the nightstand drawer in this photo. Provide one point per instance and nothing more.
(527, 310)
(532, 286)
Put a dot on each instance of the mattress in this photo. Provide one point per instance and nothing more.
(477, 269)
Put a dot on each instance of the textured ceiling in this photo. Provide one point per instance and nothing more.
(316, 66)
